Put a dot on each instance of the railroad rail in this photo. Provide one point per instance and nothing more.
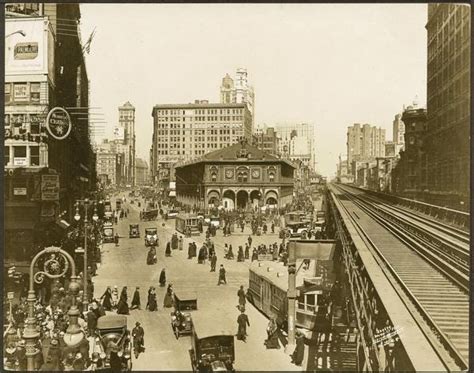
(434, 285)
(440, 246)
(458, 218)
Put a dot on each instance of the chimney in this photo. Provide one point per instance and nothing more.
(196, 101)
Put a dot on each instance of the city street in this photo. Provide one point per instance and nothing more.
(126, 266)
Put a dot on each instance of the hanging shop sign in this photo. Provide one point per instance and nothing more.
(50, 187)
(58, 123)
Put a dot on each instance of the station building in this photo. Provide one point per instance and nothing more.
(239, 176)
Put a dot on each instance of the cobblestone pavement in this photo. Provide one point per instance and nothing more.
(126, 266)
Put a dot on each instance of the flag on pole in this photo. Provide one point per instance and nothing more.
(87, 45)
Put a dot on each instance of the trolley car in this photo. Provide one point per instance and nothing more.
(267, 291)
(187, 224)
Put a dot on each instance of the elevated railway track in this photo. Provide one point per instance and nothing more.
(426, 262)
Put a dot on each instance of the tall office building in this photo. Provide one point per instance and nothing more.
(186, 131)
(126, 133)
(448, 104)
(238, 91)
(364, 143)
(398, 130)
(297, 141)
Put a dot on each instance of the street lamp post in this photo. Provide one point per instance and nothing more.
(51, 269)
(77, 217)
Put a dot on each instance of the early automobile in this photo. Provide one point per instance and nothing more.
(112, 334)
(298, 229)
(151, 237)
(212, 346)
(149, 215)
(181, 321)
(108, 233)
(134, 231)
(171, 214)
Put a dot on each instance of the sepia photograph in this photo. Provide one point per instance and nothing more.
(228, 187)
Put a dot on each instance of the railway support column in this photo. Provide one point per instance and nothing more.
(289, 348)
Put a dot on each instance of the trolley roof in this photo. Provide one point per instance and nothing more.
(185, 295)
(274, 272)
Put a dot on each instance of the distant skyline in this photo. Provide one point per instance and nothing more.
(328, 64)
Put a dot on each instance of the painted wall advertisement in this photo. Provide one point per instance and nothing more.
(26, 46)
(119, 133)
(50, 187)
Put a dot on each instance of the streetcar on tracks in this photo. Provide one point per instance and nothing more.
(267, 291)
(187, 224)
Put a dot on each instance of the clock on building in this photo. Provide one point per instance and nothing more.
(255, 174)
(229, 174)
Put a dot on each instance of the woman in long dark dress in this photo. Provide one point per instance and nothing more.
(168, 249)
(240, 254)
(107, 299)
(163, 278)
(151, 256)
(122, 307)
(298, 354)
(168, 299)
(152, 304)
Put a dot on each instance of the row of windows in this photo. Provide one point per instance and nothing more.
(24, 155)
(201, 111)
(17, 123)
(196, 132)
(23, 93)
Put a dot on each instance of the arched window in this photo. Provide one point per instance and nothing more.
(242, 176)
(271, 176)
(213, 176)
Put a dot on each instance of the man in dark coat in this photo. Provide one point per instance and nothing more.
(213, 262)
(190, 250)
(243, 322)
(136, 299)
(168, 249)
(138, 335)
(221, 275)
(241, 295)
(91, 321)
(250, 240)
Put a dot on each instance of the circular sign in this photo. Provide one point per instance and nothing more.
(58, 123)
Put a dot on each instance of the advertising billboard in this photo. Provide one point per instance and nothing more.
(28, 46)
(119, 133)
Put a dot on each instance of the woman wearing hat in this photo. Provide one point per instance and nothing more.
(168, 299)
(107, 299)
(152, 304)
(122, 307)
(78, 363)
(115, 297)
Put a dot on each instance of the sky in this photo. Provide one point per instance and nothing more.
(327, 64)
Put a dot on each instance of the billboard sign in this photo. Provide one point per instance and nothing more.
(50, 187)
(119, 133)
(26, 46)
(58, 123)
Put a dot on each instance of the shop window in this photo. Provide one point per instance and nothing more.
(8, 92)
(7, 121)
(6, 155)
(35, 92)
(19, 151)
(20, 92)
(35, 123)
(34, 156)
